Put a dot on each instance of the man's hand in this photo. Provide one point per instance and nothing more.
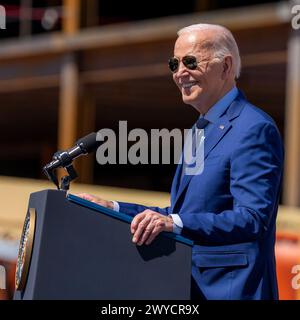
(147, 225)
(92, 198)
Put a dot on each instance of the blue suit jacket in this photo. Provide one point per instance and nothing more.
(230, 209)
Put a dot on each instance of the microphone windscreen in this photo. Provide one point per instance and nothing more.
(89, 142)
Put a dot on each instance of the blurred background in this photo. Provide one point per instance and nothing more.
(69, 67)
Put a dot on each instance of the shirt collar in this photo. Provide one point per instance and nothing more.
(219, 108)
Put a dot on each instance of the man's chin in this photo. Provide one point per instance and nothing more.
(187, 99)
(192, 102)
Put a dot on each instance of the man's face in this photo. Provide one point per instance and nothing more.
(203, 86)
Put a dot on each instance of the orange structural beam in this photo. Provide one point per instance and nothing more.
(288, 265)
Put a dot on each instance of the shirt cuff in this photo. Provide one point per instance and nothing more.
(116, 205)
(177, 223)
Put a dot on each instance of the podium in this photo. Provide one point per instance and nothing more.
(75, 249)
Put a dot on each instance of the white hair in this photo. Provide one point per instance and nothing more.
(223, 43)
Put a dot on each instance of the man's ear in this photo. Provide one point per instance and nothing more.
(227, 67)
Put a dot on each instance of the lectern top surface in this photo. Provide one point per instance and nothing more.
(121, 216)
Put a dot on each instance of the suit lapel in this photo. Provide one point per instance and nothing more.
(219, 130)
(216, 134)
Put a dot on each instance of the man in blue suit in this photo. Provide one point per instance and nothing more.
(230, 208)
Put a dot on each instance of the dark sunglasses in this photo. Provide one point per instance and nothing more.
(189, 62)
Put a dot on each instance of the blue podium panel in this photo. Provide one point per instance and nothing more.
(81, 250)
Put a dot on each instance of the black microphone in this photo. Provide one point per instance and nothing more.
(83, 146)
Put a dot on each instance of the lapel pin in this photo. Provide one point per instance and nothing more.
(221, 127)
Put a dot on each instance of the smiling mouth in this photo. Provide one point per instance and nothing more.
(188, 85)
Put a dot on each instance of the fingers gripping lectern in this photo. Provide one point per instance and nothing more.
(74, 249)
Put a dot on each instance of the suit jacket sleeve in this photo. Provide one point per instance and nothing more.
(255, 179)
(133, 209)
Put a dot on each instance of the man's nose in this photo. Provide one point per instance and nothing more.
(182, 70)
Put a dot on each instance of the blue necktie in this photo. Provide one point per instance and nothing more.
(200, 124)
